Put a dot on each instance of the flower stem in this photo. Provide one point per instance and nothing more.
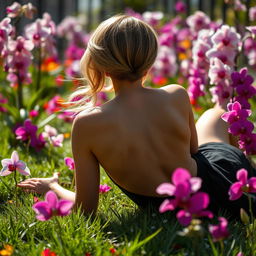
(20, 94)
(15, 191)
(60, 237)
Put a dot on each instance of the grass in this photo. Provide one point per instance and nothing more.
(119, 224)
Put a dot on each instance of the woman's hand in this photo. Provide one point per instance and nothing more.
(39, 185)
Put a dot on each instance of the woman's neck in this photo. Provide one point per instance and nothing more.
(124, 87)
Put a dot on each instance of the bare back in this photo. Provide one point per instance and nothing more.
(140, 139)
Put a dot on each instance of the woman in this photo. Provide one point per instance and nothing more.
(142, 135)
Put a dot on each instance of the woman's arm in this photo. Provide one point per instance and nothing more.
(87, 175)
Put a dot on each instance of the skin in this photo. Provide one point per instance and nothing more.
(139, 138)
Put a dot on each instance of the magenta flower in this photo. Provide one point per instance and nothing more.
(235, 113)
(182, 188)
(33, 113)
(104, 188)
(241, 78)
(14, 164)
(243, 185)
(180, 7)
(243, 127)
(220, 231)
(240, 254)
(27, 131)
(52, 207)
(70, 163)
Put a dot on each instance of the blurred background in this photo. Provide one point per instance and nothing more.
(91, 12)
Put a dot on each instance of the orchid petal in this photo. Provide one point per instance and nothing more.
(242, 175)
(51, 199)
(180, 175)
(5, 171)
(195, 183)
(15, 157)
(183, 190)
(184, 217)
(42, 210)
(168, 205)
(198, 202)
(235, 191)
(166, 188)
(64, 207)
(6, 162)
(25, 171)
(252, 184)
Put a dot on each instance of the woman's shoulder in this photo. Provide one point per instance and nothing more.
(176, 93)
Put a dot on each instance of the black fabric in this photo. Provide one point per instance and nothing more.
(217, 165)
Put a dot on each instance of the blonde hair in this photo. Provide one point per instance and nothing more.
(123, 47)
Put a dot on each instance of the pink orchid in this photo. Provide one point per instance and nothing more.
(57, 140)
(28, 131)
(104, 188)
(49, 131)
(235, 113)
(199, 20)
(182, 188)
(220, 231)
(14, 10)
(14, 164)
(252, 13)
(180, 7)
(226, 55)
(243, 185)
(226, 36)
(252, 29)
(218, 71)
(70, 163)
(153, 18)
(37, 33)
(52, 207)
(240, 254)
(33, 113)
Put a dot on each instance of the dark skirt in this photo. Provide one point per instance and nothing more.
(217, 165)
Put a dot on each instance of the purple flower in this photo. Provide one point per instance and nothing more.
(104, 188)
(180, 7)
(235, 113)
(182, 188)
(243, 185)
(27, 131)
(14, 164)
(241, 78)
(70, 163)
(239, 127)
(220, 231)
(52, 207)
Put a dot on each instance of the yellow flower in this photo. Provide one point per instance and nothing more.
(7, 251)
(182, 56)
(186, 44)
